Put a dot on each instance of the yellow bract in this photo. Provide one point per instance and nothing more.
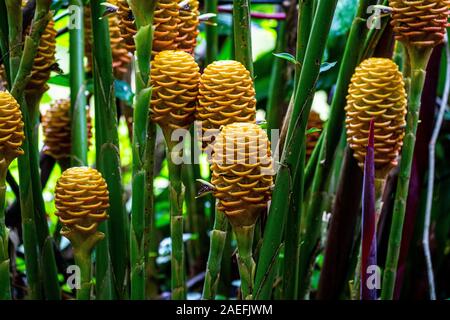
(127, 25)
(226, 95)
(11, 128)
(376, 91)
(45, 59)
(242, 172)
(421, 23)
(188, 26)
(82, 199)
(165, 23)
(175, 78)
(56, 125)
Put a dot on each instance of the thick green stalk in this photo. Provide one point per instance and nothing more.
(276, 87)
(142, 200)
(292, 154)
(83, 244)
(83, 261)
(77, 87)
(37, 243)
(305, 20)
(49, 273)
(212, 36)
(242, 33)
(218, 238)
(419, 60)
(312, 220)
(5, 288)
(108, 157)
(178, 272)
(244, 238)
(291, 250)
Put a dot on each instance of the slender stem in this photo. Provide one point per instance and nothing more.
(305, 20)
(49, 273)
(419, 60)
(242, 33)
(212, 35)
(83, 261)
(218, 238)
(142, 218)
(21, 63)
(430, 183)
(246, 264)
(77, 86)
(276, 87)
(5, 288)
(107, 143)
(292, 154)
(178, 272)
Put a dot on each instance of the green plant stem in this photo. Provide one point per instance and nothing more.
(83, 244)
(176, 194)
(5, 288)
(38, 245)
(107, 143)
(277, 84)
(212, 36)
(311, 222)
(4, 44)
(77, 88)
(143, 147)
(83, 261)
(244, 238)
(242, 33)
(419, 60)
(305, 20)
(218, 238)
(49, 272)
(293, 152)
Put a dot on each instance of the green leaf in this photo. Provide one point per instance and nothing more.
(327, 66)
(286, 56)
(312, 130)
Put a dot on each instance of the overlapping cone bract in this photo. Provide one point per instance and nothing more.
(188, 26)
(44, 60)
(127, 25)
(376, 91)
(226, 95)
(81, 199)
(165, 23)
(421, 23)
(11, 128)
(175, 79)
(242, 172)
(56, 125)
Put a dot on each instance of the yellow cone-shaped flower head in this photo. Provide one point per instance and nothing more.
(421, 23)
(121, 58)
(242, 172)
(226, 95)
(376, 91)
(175, 79)
(56, 125)
(165, 24)
(81, 199)
(11, 128)
(127, 25)
(45, 59)
(188, 26)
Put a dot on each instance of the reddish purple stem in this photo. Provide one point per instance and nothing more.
(368, 235)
